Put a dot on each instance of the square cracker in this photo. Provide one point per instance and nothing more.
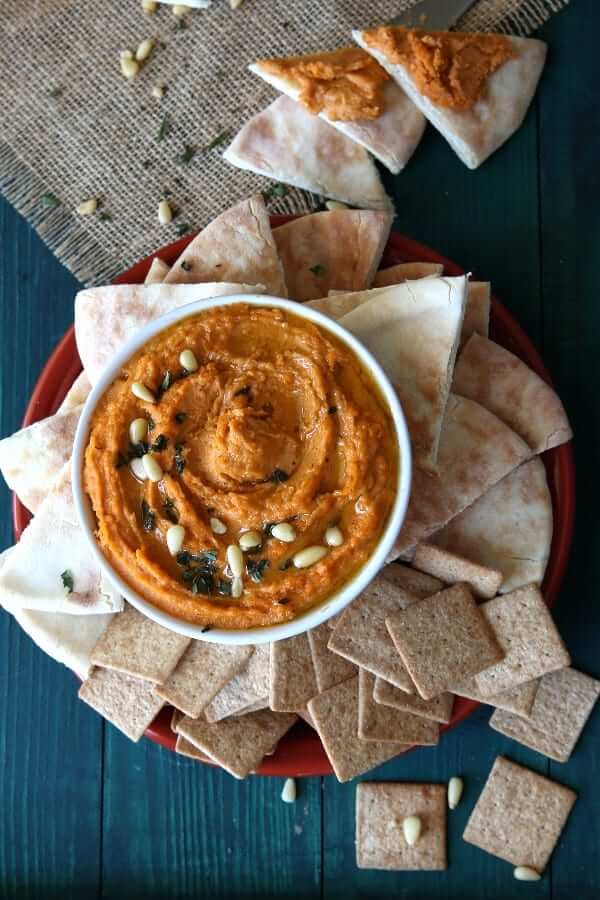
(335, 717)
(381, 723)
(362, 637)
(563, 705)
(443, 639)
(519, 815)
(245, 689)
(528, 636)
(380, 811)
(452, 569)
(185, 748)
(292, 681)
(129, 703)
(238, 744)
(439, 709)
(518, 700)
(330, 668)
(140, 647)
(200, 674)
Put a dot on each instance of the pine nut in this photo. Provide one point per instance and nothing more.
(137, 467)
(188, 360)
(235, 560)
(149, 7)
(158, 91)
(335, 204)
(175, 538)
(249, 540)
(144, 49)
(526, 873)
(412, 830)
(165, 213)
(179, 9)
(138, 430)
(235, 4)
(217, 525)
(455, 789)
(334, 537)
(129, 67)
(88, 207)
(126, 54)
(284, 532)
(140, 391)
(309, 556)
(237, 588)
(288, 794)
(152, 468)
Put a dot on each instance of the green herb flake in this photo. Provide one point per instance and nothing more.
(68, 581)
(282, 601)
(148, 517)
(180, 417)
(56, 92)
(243, 391)
(187, 155)
(105, 217)
(318, 270)
(276, 190)
(219, 139)
(286, 564)
(170, 510)
(179, 458)
(121, 461)
(165, 128)
(332, 410)
(256, 569)
(278, 476)
(160, 443)
(224, 587)
(151, 424)
(50, 200)
(205, 629)
(182, 228)
(186, 266)
(268, 528)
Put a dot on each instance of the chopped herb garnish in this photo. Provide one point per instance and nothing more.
(186, 266)
(160, 443)
(219, 139)
(182, 228)
(224, 587)
(151, 424)
(180, 417)
(148, 517)
(179, 460)
(56, 91)
(50, 200)
(206, 628)
(332, 410)
(105, 217)
(318, 270)
(268, 528)
(170, 511)
(243, 391)
(121, 461)
(256, 569)
(278, 476)
(68, 581)
(206, 558)
(283, 601)
(276, 190)
(166, 382)
(199, 570)
(165, 128)
(187, 155)
(286, 564)
(136, 451)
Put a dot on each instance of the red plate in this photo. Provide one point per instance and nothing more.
(300, 752)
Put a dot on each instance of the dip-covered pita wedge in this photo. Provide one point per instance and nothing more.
(504, 384)
(237, 246)
(508, 528)
(286, 143)
(413, 330)
(476, 450)
(32, 458)
(106, 317)
(51, 568)
(339, 249)
(408, 271)
(474, 88)
(355, 94)
(77, 393)
(157, 271)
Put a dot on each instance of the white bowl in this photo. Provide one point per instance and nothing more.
(340, 598)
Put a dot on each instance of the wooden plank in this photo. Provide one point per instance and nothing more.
(174, 827)
(50, 744)
(570, 235)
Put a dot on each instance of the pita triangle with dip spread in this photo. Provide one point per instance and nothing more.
(391, 136)
(285, 143)
(236, 247)
(106, 317)
(338, 249)
(474, 88)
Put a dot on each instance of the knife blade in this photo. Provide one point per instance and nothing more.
(434, 15)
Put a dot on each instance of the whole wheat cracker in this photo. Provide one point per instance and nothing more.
(292, 677)
(453, 569)
(330, 668)
(382, 723)
(127, 702)
(249, 686)
(185, 748)
(519, 699)
(439, 709)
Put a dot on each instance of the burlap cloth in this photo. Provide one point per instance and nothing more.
(72, 126)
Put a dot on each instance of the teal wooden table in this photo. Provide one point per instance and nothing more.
(85, 813)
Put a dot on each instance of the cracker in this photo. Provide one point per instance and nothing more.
(335, 717)
(246, 688)
(293, 681)
(528, 636)
(330, 668)
(185, 748)
(362, 637)
(380, 811)
(127, 702)
(140, 647)
(381, 723)
(176, 717)
(200, 674)
(443, 639)
(263, 703)
(238, 744)
(518, 700)
(453, 569)
(563, 705)
(439, 709)
(519, 815)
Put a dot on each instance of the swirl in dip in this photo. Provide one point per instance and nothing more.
(269, 421)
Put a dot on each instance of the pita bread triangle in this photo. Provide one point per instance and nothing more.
(338, 249)
(475, 133)
(407, 271)
(476, 450)
(413, 331)
(157, 271)
(105, 317)
(508, 528)
(77, 393)
(504, 384)
(392, 137)
(237, 247)
(285, 143)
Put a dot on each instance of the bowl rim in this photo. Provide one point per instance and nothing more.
(350, 589)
